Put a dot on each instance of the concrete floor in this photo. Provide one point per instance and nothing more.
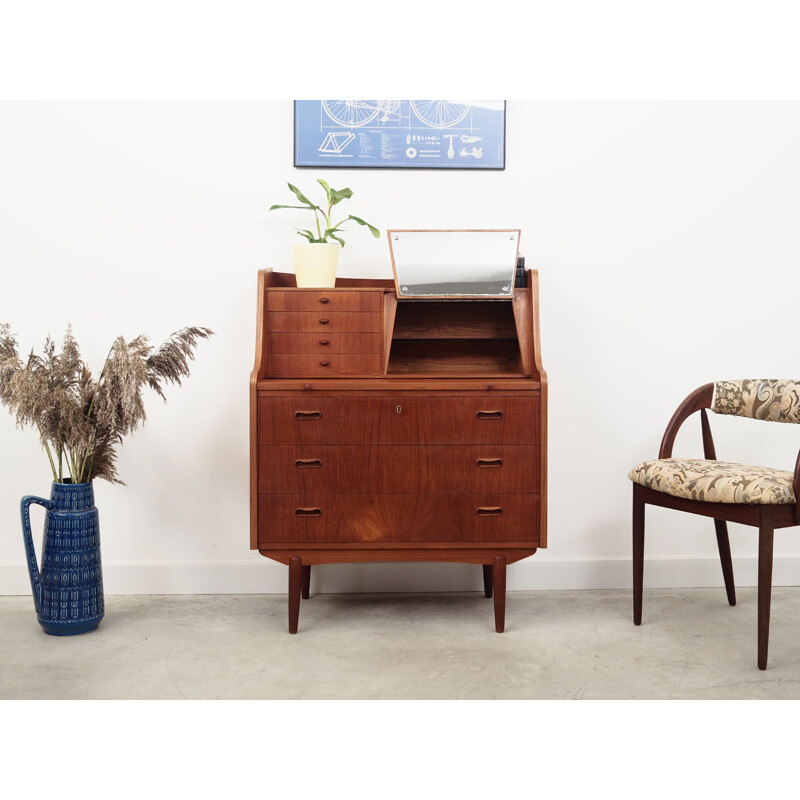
(557, 645)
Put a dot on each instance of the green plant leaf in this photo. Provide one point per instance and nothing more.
(303, 208)
(375, 232)
(307, 234)
(336, 238)
(337, 195)
(301, 197)
(326, 186)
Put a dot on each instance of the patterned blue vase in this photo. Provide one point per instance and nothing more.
(68, 591)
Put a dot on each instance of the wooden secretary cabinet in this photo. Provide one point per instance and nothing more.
(396, 431)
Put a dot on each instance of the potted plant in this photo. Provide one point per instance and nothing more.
(81, 420)
(315, 262)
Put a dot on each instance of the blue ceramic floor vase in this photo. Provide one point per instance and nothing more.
(68, 589)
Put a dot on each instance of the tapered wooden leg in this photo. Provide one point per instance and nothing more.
(638, 554)
(487, 580)
(499, 586)
(306, 588)
(724, 545)
(765, 539)
(295, 579)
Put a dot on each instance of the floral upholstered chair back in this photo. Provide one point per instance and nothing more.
(772, 400)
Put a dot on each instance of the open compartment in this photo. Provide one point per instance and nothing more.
(469, 337)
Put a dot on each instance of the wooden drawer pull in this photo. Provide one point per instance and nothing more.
(324, 300)
(324, 321)
(308, 512)
(489, 462)
(308, 463)
(308, 415)
(490, 511)
(489, 414)
(323, 341)
(324, 363)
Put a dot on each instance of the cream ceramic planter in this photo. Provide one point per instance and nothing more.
(315, 265)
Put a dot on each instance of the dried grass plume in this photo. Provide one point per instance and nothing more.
(81, 420)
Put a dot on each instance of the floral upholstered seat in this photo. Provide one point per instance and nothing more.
(715, 481)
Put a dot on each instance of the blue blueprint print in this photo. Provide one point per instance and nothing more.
(454, 134)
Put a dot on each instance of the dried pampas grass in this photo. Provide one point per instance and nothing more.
(81, 420)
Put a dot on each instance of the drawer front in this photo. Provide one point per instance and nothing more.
(323, 342)
(465, 420)
(288, 365)
(322, 321)
(309, 419)
(301, 300)
(288, 469)
(412, 420)
(368, 518)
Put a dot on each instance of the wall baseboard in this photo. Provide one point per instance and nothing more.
(532, 574)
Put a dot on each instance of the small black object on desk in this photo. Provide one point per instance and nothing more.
(521, 279)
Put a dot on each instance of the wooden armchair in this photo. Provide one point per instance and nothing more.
(728, 492)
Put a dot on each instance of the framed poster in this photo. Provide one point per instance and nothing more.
(415, 134)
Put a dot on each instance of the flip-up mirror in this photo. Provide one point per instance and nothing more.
(457, 264)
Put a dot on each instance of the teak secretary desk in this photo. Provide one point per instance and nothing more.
(391, 421)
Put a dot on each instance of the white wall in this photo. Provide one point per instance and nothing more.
(666, 236)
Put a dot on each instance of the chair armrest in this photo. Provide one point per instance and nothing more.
(796, 486)
(698, 399)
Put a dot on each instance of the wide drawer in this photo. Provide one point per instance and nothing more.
(324, 342)
(304, 300)
(322, 321)
(464, 420)
(311, 419)
(369, 518)
(288, 365)
(288, 469)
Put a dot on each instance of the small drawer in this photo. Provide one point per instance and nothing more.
(322, 321)
(323, 342)
(332, 300)
(293, 365)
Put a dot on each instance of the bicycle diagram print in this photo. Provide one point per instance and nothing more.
(400, 133)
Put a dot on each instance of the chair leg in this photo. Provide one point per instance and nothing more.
(305, 590)
(487, 580)
(295, 580)
(724, 545)
(499, 581)
(638, 554)
(766, 532)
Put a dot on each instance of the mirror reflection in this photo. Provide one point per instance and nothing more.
(455, 264)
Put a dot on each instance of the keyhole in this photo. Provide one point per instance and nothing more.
(398, 409)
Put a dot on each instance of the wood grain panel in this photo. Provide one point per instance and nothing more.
(473, 320)
(323, 321)
(287, 365)
(324, 300)
(288, 469)
(465, 420)
(404, 419)
(323, 342)
(350, 518)
(455, 356)
(353, 553)
(340, 420)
